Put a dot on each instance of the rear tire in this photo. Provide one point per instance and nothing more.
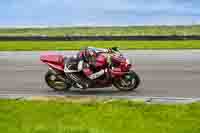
(121, 83)
(54, 82)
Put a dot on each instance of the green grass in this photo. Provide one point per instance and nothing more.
(130, 30)
(75, 45)
(112, 117)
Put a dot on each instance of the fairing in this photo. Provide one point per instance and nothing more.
(55, 61)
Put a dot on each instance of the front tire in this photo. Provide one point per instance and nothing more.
(56, 83)
(124, 84)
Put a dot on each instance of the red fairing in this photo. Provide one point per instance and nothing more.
(101, 61)
(122, 64)
(125, 66)
(87, 71)
(53, 60)
(117, 72)
(118, 60)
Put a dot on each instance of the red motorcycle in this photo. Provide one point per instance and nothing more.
(120, 73)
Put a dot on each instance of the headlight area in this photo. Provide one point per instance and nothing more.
(125, 66)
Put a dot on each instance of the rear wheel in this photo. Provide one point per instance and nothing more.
(128, 82)
(56, 81)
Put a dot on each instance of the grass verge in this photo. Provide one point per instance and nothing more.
(97, 117)
(129, 30)
(75, 45)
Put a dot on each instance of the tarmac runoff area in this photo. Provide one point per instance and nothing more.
(169, 76)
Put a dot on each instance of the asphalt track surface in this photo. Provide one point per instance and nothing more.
(163, 73)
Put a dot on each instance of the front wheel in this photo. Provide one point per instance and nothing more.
(128, 82)
(56, 81)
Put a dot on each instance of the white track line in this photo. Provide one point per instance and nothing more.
(139, 98)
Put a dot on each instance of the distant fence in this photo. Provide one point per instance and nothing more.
(95, 38)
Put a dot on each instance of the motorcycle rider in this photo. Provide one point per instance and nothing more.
(87, 59)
